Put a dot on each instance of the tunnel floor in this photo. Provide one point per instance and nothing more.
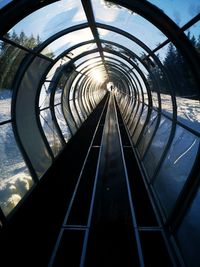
(110, 220)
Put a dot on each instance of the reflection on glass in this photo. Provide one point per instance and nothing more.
(5, 104)
(59, 89)
(140, 83)
(146, 98)
(183, 85)
(87, 58)
(122, 40)
(58, 64)
(74, 113)
(180, 11)
(62, 123)
(140, 124)
(166, 104)
(50, 131)
(66, 41)
(85, 67)
(118, 58)
(79, 110)
(88, 63)
(98, 75)
(135, 119)
(176, 168)
(128, 21)
(127, 113)
(131, 115)
(44, 95)
(15, 179)
(188, 234)
(10, 59)
(154, 96)
(157, 146)
(45, 22)
(83, 48)
(148, 132)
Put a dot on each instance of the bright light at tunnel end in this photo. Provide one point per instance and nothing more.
(97, 76)
(109, 86)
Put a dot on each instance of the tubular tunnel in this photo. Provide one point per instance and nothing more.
(99, 130)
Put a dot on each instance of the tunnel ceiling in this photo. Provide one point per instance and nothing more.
(58, 60)
(135, 32)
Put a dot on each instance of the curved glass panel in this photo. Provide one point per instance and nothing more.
(188, 110)
(44, 95)
(10, 59)
(118, 58)
(183, 86)
(141, 85)
(83, 48)
(56, 66)
(79, 110)
(148, 132)
(176, 168)
(122, 40)
(140, 124)
(47, 21)
(159, 84)
(15, 178)
(188, 234)
(66, 41)
(59, 89)
(180, 11)
(62, 123)
(88, 63)
(132, 115)
(154, 96)
(87, 68)
(86, 58)
(74, 113)
(193, 33)
(128, 21)
(5, 104)
(4, 3)
(50, 131)
(157, 146)
(166, 104)
(136, 120)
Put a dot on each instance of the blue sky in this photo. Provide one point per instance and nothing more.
(4, 3)
(181, 11)
(63, 14)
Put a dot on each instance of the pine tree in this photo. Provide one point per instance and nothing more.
(198, 45)
(11, 56)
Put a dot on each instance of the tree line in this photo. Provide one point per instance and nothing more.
(11, 56)
(175, 66)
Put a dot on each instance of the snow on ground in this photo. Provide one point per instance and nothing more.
(188, 110)
(5, 105)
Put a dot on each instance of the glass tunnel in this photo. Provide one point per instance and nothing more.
(99, 133)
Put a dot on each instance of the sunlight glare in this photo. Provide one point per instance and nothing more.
(97, 76)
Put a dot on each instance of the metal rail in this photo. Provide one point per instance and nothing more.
(65, 225)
